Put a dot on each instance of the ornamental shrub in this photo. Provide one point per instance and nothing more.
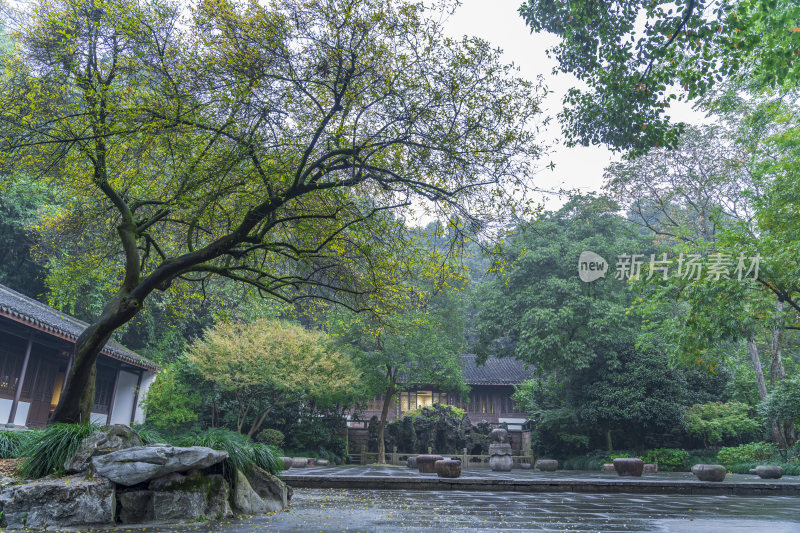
(436, 411)
(668, 459)
(717, 422)
(753, 452)
(270, 436)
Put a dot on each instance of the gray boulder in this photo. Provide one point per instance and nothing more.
(101, 442)
(62, 502)
(135, 507)
(142, 463)
(272, 491)
(177, 498)
(245, 499)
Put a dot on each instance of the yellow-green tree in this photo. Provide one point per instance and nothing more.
(269, 363)
(269, 144)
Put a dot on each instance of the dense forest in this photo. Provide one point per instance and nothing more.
(280, 284)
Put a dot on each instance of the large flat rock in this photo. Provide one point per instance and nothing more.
(62, 502)
(142, 463)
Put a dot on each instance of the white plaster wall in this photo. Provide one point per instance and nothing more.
(147, 379)
(123, 403)
(98, 418)
(22, 412)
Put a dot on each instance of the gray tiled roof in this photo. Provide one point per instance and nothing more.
(20, 307)
(496, 371)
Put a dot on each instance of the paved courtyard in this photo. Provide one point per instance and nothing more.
(411, 511)
(485, 473)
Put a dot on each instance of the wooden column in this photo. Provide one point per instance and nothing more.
(136, 397)
(113, 396)
(21, 381)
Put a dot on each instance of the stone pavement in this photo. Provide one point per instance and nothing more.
(486, 473)
(407, 511)
(375, 477)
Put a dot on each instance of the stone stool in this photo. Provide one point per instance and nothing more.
(629, 466)
(650, 468)
(312, 461)
(412, 462)
(768, 471)
(426, 463)
(448, 468)
(322, 462)
(287, 462)
(547, 465)
(299, 462)
(609, 467)
(709, 472)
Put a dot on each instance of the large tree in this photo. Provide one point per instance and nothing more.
(264, 144)
(269, 363)
(638, 56)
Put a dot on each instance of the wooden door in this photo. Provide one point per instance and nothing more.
(42, 392)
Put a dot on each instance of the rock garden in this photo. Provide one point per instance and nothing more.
(83, 475)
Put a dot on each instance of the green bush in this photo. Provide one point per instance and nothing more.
(243, 453)
(718, 422)
(789, 469)
(435, 410)
(668, 459)
(747, 453)
(12, 443)
(270, 436)
(46, 451)
(590, 461)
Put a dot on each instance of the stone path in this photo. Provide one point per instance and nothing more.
(407, 511)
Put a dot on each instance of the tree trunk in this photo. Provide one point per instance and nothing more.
(777, 372)
(775, 431)
(77, 398)
(609, 443)
(384, 414)
(752, 349)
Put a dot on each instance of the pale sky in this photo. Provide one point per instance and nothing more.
(498, 22)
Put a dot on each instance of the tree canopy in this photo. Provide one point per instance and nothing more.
(639, 56)
(268, 144)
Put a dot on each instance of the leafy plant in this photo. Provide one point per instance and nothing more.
(716, 422)
(452, 410)
(668, 459)
(149, 435)
(243, 453)
(270, 436)
(748, 453)
(13, 442)
(46, 451)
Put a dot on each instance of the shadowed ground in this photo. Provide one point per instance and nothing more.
(406, 511)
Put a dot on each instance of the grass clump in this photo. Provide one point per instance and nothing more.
(12, 443)
(46, 452)
(243, 453)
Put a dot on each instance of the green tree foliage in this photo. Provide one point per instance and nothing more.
(263, 144)
(20, 207)
(592, 379)
(637, 57)
(171, 405)
(268, 363)
(783, 402)
(718, 422)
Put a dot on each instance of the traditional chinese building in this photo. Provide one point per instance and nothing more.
(491, 386)
(36, 347)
